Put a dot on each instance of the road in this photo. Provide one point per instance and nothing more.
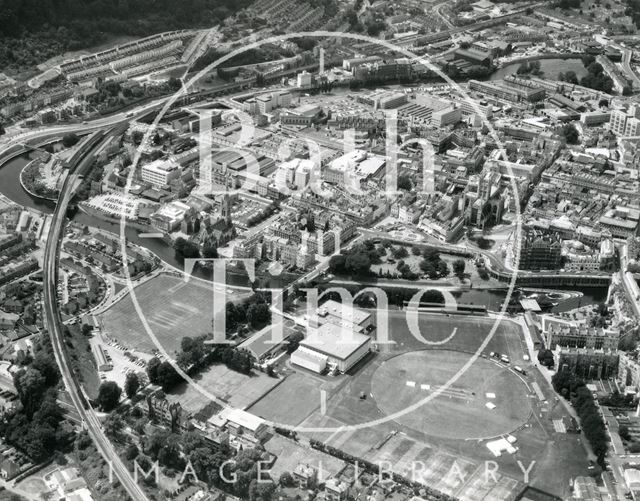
(54, 326)
(626, 66)
(438, 11)
(626, 279)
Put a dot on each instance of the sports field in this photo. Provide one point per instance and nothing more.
(437, 438)
(454, 332)
(458, 410)
(173, 308)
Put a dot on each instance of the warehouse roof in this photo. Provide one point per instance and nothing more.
(335, 341)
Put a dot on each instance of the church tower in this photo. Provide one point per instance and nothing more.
(225, 209)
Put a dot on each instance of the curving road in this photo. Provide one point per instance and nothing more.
(54, 326)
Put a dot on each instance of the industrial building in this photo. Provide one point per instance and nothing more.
(331, 346)
(338, 338)
(160, 172)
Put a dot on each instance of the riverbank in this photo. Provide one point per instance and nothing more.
(30, 190)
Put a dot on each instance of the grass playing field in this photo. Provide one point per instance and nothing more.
(455, 411)
(173, 308)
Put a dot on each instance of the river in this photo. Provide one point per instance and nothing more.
(550, 67)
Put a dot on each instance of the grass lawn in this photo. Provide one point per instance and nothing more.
(458, 411)
(173, 308)
(292, 401)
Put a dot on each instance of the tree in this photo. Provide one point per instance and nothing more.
(109, 395)
(571, 134)
(571, 77)
(286, 480)
(404, 183)
(113, 426)
(358, 264)
(168, 377)
(293, 341)
(131, 384)
(174, 83)
(458, 267)
(30, 385)
(400, 252)
(137, 137)
(209, 252)
(428, 268)
(443, 269)
(69, 140)
(131, 452)
(623, 431)
(152, 370)
(258, 314)
(184, 249)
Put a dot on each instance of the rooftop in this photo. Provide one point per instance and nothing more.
(335, 341)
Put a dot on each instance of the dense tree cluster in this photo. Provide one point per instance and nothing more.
(458, 267)
(572, 387)
(355, 261)
(238, 359)
(109, 395)
(185, 249)
(633, 11)
(433, 265)
(240, 470)
(569, 77)
(35, 30)
(597, 79)
(545, 357)
(570, 133)
(529, 67)
(192, 352)
(36, 427)
(569, 4)
(131, 384)
(163, 374)
(255, 311)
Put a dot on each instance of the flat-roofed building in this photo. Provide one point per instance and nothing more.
(621, 221)
(331, 345)
(357, 164)
(446, 117)
(245, 424)
(160, 172)
(509, 93)
(337, 313)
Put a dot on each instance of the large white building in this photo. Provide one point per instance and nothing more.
(355, 166)
(331, 346)
(626, 122)
(160, 172)
(338, 338)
